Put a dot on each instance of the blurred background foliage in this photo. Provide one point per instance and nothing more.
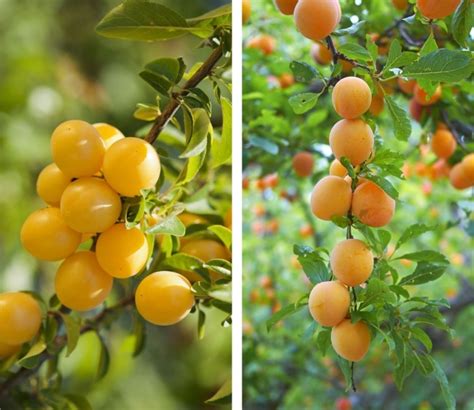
(283, 369)
(54, 67)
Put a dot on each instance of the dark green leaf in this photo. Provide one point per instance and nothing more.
(323, 340)
(384, 184)
(104, 359)
(284, 312)
(73, 330)
(304, 102)
(355, 52)
(303, 72)
(427, 256)
(444, 385)
(461, 23)
(400, 120)
(221, 149)
(201, 324)
(201, 128)
(424, 272)
(314, 266)
(412, 232)
(171, 225)
(419, 334)
(224, 395)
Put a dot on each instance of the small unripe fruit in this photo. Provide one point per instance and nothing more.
(351, 97)
(90, 205)
(164, 298)
(130, 165)
(77, 148)
(303, 164)
(421, 97)
(108, 133)
(122, 252)
(352, 139)
(329, 303)
(81, 284)
(316, 19)
(321, 54)
(372, 205)
(46, 235)
(351, 340)
(286, 7)
(337, 169)
(352, 262)
(331, 197)
(51, 184)
(443, 143)
(20, 318)
(437, 9)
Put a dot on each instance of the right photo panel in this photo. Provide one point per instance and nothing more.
(358, 224)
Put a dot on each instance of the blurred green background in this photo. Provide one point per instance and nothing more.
(283, 368)
(54, 67)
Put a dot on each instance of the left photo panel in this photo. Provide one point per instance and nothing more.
(116, 204)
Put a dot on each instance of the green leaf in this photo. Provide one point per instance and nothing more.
(145, 21)
(221, 292)
(285, 312)
(461, 23)
(426, 255)
(412, 232)
(73, 331)
(191, 169)
(314, 266)
(104, 359)
(303, 102)
(171, 225)
(355, 51)
(223, 233)
(224, 395)
(424, 272)
(394, 52)
(221, 150)
(444, 384)
(347, 164)
(419, 334)
(220, 266)
(442, 65)
(384, 237)
(201, 129)
(146, 112)
(423, 363)
(345, 367)
(303, 72)
(383, 183)
(201, 324)
(30, 360)
(264, 144)
(400, 120)
(181, 261)
(170, 68)
(429, 46)
(377, 292)
(79, 402)
(139, 332)
(323, 341)
(405, 58)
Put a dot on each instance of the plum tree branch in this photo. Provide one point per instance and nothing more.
(60, 342)
(176, 100)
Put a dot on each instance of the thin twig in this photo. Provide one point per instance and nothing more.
(176, 100)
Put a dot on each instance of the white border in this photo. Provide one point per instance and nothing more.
(237, 205)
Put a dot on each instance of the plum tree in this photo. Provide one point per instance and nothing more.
(352, 139)
(80, 283)
(90, 205)
(46, 235)
(372, 205)
(351, 97)
(329, 303)
(122, 252)
(303, 164)
(316, 19)
(351, 340)
(352, 262)
(434, 9)
(331, 197)
(130, 165)
(173, 293)
(286, 7)
(20, 318)
(51, 184)
(77, 148)
(443, 143)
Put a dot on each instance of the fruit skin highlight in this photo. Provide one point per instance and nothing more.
(331, 197)
(351, 97)
(130, 165)
(352, 139)
(317, 19)
(81, 284)
(47, 237)
(164, 298)
(372, 205)
(78, 149)
(352, 262)
(351, 340)
(329, 303)
(20, 318)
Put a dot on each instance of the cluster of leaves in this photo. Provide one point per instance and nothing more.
(195, 153)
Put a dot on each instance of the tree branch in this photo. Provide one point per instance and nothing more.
(60, 342)
(176, 100)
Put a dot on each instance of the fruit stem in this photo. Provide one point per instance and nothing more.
(176, 100)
